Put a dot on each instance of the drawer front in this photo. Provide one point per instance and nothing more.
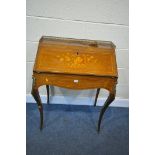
(75, 81)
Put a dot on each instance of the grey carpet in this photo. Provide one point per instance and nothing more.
(71, 130)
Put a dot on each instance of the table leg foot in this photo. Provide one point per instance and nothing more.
(97, 93)
(110, 98)
(47, 88)
(35, 94)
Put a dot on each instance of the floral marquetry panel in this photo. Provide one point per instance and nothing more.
(75, 57)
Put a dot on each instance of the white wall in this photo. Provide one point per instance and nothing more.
(84, 19)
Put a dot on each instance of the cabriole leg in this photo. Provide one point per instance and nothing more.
(110, 98)
(35, 94)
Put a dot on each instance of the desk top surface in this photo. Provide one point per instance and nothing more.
(76, 56)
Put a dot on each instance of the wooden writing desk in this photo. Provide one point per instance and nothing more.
(75, 64)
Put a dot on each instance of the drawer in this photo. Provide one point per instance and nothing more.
(74, 81)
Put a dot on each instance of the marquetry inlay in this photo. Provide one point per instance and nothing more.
(74, 60)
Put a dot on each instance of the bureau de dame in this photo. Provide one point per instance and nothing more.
(75, 64)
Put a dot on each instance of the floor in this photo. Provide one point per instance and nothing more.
(72, 130)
